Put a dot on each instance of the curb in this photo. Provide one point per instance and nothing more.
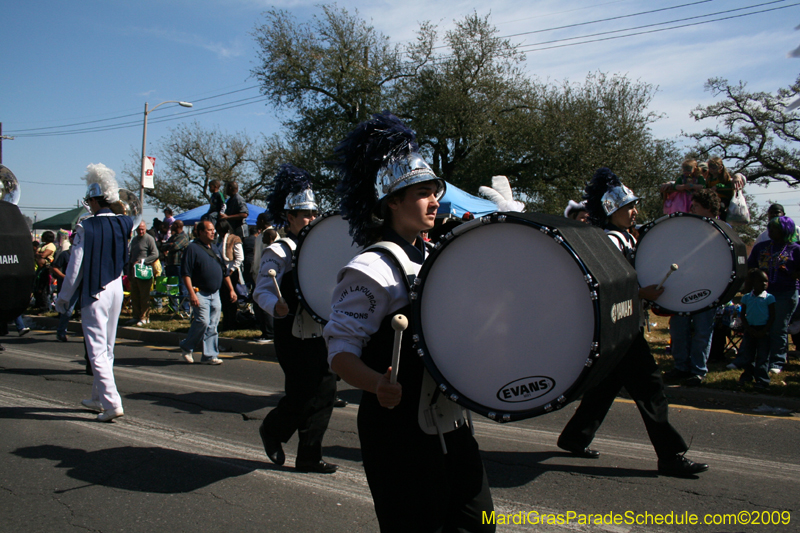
(167, 338)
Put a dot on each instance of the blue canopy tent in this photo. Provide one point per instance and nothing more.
(192, 217)
(456, 202)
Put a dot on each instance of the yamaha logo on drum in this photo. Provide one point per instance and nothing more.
(522, 390)
(9, 259)
(621, 310)
(696, 296)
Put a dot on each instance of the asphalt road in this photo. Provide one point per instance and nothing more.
(187, 457)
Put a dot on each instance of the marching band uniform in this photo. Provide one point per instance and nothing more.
(99, 254)
(415, 485)
(309, 387)
(637, 371)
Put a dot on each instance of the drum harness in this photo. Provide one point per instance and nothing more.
(437, 415)
(303, 327)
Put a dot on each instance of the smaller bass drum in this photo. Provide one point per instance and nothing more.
(324, 247)
(711, 259)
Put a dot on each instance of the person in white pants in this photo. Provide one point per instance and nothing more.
(99, 254)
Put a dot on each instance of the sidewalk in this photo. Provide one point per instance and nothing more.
(695, 397)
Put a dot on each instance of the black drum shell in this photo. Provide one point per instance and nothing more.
(17, 267)
(610, 276)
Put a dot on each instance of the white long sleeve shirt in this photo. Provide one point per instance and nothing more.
(275, 257)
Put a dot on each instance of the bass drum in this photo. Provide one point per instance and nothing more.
(711, 259)
(515, 315)
(324, 247)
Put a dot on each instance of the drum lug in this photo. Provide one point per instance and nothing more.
(594, 295)
(589, 362)
(595, 347)
(421, 353)
(486, 220)
(501, 218)
(412, 296)
(453, 398)
(492, 415)
(548, 407)
(589, 279)
(415, 338)
(506, 417)
(417, 281)
(559, 239)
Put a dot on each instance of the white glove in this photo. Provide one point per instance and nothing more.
(61, 305)
(500, 193)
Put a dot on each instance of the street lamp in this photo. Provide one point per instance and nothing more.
(144, 141)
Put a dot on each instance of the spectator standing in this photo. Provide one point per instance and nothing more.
(236, 210)
(720, 179)
(173, 251)
(692, 335)
(59, 271)
(216, 203)
(758, 315)
(232, 251)
(144, 250)
(44, 256)
(167, 223)
(202, 268)
(774, 211)
(779, 257)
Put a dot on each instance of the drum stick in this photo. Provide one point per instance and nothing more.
(672, 269)
(399, 324)
(271, 273)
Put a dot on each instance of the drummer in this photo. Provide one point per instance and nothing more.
(389, 193)
(612, 206)
(309, 385)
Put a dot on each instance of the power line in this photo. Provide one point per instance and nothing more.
(649, 31)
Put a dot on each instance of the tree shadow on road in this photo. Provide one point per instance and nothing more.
(45, 413)
(150, 469)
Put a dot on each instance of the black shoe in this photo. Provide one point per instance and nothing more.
(61, 338)
(272, 446)
(694, 381)
(586, 452)
(2, 348)
(680, 466)
(316, 467)
(338, 402)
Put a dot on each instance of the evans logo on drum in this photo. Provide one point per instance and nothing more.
(696, 296)
(522, 390)
(621, 310)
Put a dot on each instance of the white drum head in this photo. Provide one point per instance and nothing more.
(507, 317)
(704, 259)
(324, 250)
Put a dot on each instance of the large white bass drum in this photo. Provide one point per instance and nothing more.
(710, 256)
(324, 247)
(516, 314)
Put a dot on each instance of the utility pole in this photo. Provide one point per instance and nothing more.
(6, 137)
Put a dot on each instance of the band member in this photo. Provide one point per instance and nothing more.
(390, 194)
(612, 206)
(309, 385)
(99, 254)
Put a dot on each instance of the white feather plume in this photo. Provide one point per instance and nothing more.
(501, 194)
(106, 178)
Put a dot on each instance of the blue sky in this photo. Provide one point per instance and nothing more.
(98, 62)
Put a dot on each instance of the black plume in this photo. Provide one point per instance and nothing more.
(359, 158)
(601, 182)
(289, 179)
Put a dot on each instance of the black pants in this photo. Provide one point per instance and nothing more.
(415, 486)
(310, 389)
(641, 377)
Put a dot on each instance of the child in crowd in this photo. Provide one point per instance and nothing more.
(216, 201)
(678, 198)
(758, 314)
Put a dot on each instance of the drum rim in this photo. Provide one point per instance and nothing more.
(716, 303)
(443, 385)
(295, 272)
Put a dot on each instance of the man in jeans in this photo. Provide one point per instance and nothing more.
(202, 270)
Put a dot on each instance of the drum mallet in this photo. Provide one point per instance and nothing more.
(271, 273)
(673, 267)
(399, 325)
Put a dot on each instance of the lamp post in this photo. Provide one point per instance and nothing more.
(144, 141)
